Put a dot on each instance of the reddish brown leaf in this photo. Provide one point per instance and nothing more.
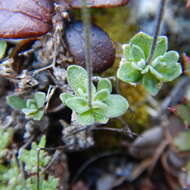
(24, 18)
(32, 18)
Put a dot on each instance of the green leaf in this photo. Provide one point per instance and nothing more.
(86, 118)
(6, 136)
(42, 142)
(31, 104)
(99, 115)
(117, 106)
(151, 84)
(40, 98)
(182, 141)
(49, 184)
(38, 115)
(161, 46)
(166, 68)
(104, 84)
(3, 47)
(133, 52)
(78, 80)
(143, 41)
(16, 102)
(65, 96)
(129, 72)
(102, 94)
(137, 53)
(127, 52)
(77, 104)
(29, 156)
(29, 111)
(99, 104)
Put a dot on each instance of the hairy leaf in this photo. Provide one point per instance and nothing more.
(167, 66)
(16, 102)
(77, 104)
(31, 104)
(102, 94)
(78, 79)
(161, 46)
(117, 106)
(129, 71)
(40, 98)
(143, 41)
(151, 84)
(86, 118)
(65, 96)
(104, 84)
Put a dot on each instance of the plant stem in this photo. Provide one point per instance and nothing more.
(157, 29)
(38, 170)
(88, 61)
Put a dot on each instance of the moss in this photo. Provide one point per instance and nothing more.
(137, 116)
(115, 22)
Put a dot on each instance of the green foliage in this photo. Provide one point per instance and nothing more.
(16, 102)
(104, 104)
(6, 136)
(49, 184)
(3, 47)
(12, 179)
(182, 141)
(32, 108)
(29, 157)
(183, 111)
(164, 66)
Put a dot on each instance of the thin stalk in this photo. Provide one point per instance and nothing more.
(88, 61)
(38, 171)
(157, 29)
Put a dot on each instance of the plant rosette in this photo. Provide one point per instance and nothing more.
(32, 108)
(104, 104)
(163, 67)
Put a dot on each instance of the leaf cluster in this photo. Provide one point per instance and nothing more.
(163, 66)
(104, 104)
(11, 177)
(32, 108)
(29, 157)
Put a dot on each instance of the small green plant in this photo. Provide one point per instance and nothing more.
(3, 47)
(29, 156)
(6, 136)
(163, 67)
(104, 104)
(32, 108)
(12, 178)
